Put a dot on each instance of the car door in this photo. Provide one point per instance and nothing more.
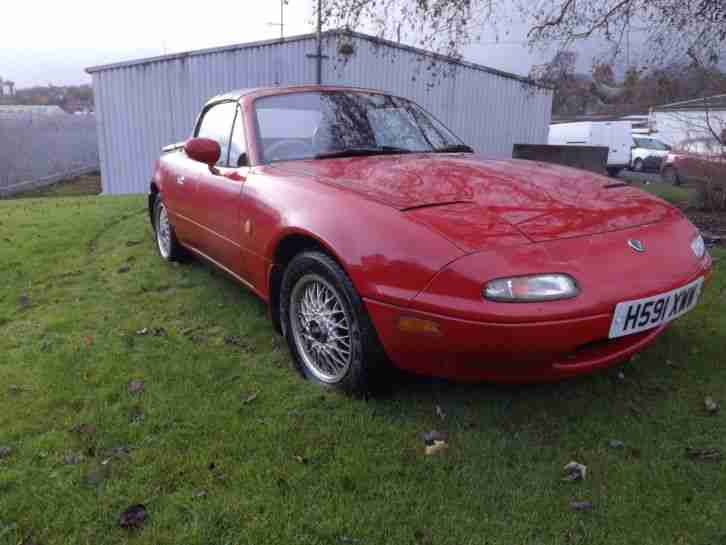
(219, 190)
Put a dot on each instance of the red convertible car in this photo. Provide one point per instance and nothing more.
(376, 235)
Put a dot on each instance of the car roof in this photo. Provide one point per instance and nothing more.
(256, 92)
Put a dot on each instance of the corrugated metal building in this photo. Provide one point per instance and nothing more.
(145, 104)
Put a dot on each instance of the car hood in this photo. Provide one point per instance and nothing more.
(472, 201)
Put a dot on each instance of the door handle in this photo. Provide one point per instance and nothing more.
(180, 180)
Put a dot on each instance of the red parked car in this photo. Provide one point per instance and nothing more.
(376, 235)
(695, 160)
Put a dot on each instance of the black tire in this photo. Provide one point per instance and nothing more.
(670, 175)
(366, 354)
(638, 165)
(613, 171)
(171, 250)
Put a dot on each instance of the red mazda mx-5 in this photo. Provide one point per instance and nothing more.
(376, 235)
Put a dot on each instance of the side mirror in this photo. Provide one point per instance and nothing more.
(204, 150)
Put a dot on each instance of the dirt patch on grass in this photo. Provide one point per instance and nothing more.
(712, 224)
(79, 186)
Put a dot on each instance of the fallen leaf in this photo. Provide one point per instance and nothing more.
(72, 459)
(435, 442)
(15, 389)
(574, 471)
(5, 451)
(710, 405)
(133, 518)
(130, 243)
(708, 454)
(84, 429)
(199, 494)
(300, 459)
(585, 505)
(136, 386)
(97, 474)
(136, 415)
(249, 399)
(430, 437)
(143, 331)
(158, 332)
(23, 301)
(616, 444)
(123, 269)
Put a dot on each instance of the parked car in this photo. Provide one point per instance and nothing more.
(614, 135)
(376, 235)
(647, 153)
(695, 160)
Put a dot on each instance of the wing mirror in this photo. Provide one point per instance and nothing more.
(204, 150)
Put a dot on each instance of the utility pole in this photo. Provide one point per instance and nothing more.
(318, 56)
(319, 59)
(281, 24)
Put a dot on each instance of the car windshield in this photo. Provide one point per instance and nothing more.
(650, 143)
(317, 125)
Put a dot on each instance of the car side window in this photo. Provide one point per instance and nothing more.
(216, 124)
(238, 144)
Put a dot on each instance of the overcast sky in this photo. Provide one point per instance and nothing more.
(52, 42)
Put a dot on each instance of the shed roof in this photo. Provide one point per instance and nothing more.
(716, 102)
(302, 37)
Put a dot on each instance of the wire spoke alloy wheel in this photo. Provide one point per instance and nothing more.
(163, 232)
(321, 328)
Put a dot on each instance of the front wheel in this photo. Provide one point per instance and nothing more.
(326, 325)
(638, 165)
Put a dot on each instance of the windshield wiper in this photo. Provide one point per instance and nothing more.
(454, 148)
(362, 151)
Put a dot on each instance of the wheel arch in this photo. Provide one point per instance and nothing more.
(153, 192)
(289, 245)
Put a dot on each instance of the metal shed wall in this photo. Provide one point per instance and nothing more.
(144, 105)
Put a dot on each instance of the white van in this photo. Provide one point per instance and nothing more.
(614, 135)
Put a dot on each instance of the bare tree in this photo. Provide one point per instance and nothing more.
(672, 28)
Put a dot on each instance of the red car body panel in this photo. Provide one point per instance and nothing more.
(419, 235)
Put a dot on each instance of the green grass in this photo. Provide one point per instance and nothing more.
(678, 195)
(297, 465)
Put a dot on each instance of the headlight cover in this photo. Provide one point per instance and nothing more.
(698, 246)
(530, 289)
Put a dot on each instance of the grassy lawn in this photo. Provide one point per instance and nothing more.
(678, 195)
(225, 444)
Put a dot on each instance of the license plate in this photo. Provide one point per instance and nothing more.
(642, 314)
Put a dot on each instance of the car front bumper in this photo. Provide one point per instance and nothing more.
(538, 351)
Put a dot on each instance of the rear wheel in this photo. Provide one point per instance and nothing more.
(670, 175)
(166, 242)
(326, 325)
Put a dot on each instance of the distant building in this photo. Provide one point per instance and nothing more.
(689, 119)
(15, 112)
(145, 104)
